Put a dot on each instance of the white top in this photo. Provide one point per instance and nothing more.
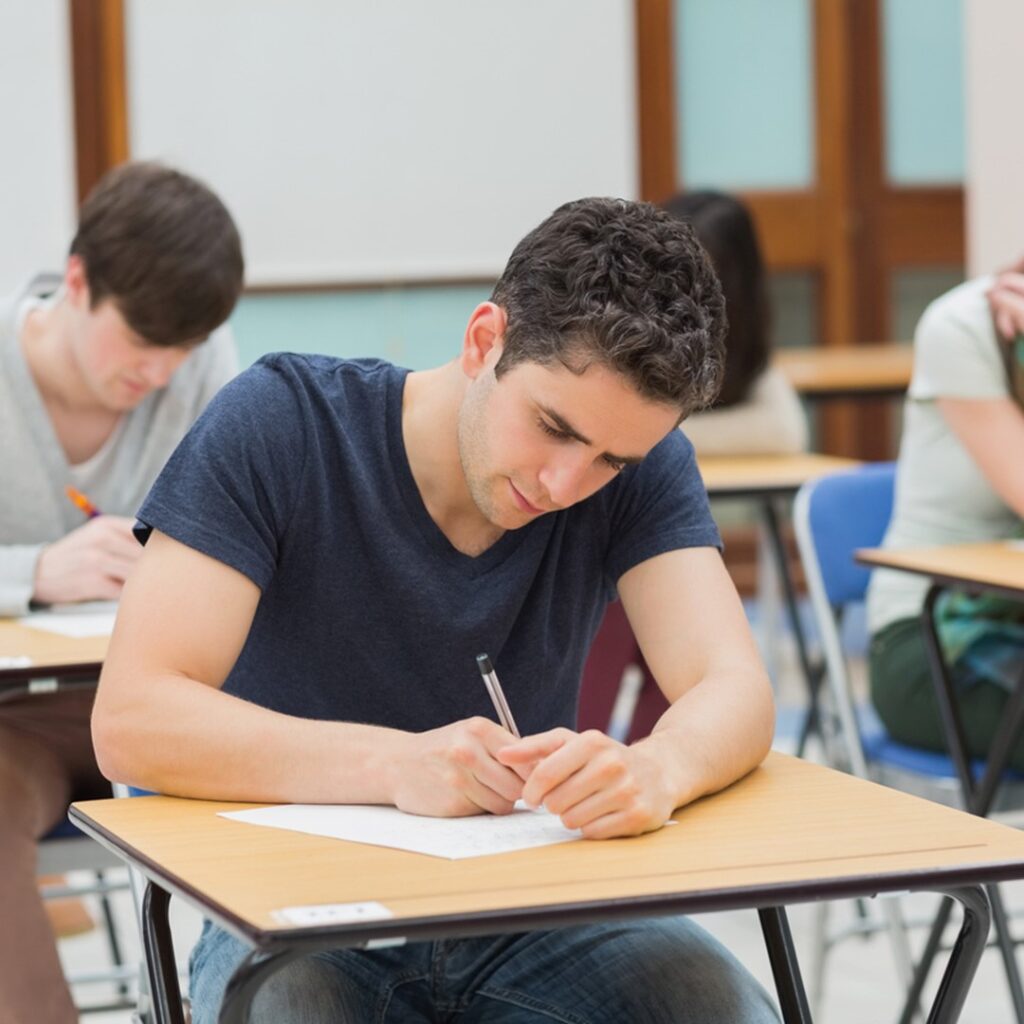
(942, 497)
(770, 422)
(34, 471)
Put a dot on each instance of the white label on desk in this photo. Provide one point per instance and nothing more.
(15, 661)
(334, 913)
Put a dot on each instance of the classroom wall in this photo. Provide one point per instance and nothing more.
(393, 141)
(726, 51)
(995, 191)
(37, 197)
(413, 327)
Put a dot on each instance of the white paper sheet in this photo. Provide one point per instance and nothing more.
(90, 618)
(454, 838)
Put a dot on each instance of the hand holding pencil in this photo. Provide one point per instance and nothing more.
(91, 562)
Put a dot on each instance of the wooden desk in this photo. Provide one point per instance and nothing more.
(766, 476)
(853, 371)
(994, 567)
(789, 832)
(763, 480)
(997, 568)
(55, 660)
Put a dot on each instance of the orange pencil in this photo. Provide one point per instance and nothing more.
(82, 501)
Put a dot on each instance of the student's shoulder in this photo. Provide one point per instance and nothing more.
(963, 309)
(279, 374)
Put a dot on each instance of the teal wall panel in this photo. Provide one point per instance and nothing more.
(744, 93)
(923, 70)
(414, 327)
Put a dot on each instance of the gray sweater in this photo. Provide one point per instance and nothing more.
(34, 509)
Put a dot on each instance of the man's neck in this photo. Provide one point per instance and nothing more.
(430, 416)
(45, 344)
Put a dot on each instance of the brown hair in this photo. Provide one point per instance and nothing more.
(164, 249)
(619, 283)
(725, 229)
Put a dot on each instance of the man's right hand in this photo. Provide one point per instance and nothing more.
(89, 564)
(452, 771)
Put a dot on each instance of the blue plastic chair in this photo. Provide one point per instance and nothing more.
(833, 517)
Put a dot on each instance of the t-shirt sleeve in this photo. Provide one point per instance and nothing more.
(661, 506)
(231, 485)
(956, 354)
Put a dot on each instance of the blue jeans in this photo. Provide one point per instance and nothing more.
(658, 971)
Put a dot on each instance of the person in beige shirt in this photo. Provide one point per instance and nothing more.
(958, 480)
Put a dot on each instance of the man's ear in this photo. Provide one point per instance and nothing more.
(76, 284)
(484, 339)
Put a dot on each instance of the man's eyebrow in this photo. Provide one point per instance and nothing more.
(569, 430)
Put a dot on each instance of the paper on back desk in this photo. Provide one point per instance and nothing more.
(90, 618)
(454, 838)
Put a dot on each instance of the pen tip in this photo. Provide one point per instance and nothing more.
(484, 662)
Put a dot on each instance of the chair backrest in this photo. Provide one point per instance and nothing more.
(847, 511)
(832, 517)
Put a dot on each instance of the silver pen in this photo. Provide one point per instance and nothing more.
(483, 662)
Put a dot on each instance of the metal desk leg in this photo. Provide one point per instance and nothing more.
(160, 964)
(924, 965)
(965, 956)
(785, 968)
(812, 675)
(978, 796)
(249, 976)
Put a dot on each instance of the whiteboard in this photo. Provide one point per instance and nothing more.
(37, 200)
(394, 140)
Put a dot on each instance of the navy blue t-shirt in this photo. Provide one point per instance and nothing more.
(296, 475)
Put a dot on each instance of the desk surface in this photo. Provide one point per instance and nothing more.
(789, 832)
(848, 371)
(996, 566)
(50, 653)
(754, 475)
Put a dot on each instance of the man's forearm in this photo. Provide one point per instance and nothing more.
(180, 737)
(714, 734)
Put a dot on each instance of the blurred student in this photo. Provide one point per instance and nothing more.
(959, 478)
(757, 411)
(100, 377)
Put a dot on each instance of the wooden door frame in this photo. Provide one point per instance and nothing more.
(851, 228)
(99, 88)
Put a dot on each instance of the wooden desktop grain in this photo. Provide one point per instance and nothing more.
(753, 473)
(49, 649)
(788, 824)
(996, 566)
(868, 370)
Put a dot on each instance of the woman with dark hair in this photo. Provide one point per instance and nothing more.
(757, 411)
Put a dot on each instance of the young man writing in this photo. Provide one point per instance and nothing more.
(99, 380)
(334, 543)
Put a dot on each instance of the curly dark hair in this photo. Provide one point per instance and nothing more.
(163, 248)
(724, 227)
(622, 284)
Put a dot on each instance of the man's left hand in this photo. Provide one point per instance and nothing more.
(592, 782)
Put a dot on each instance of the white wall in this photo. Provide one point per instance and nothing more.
(995, 133)
(399, 139)
(37, 170)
